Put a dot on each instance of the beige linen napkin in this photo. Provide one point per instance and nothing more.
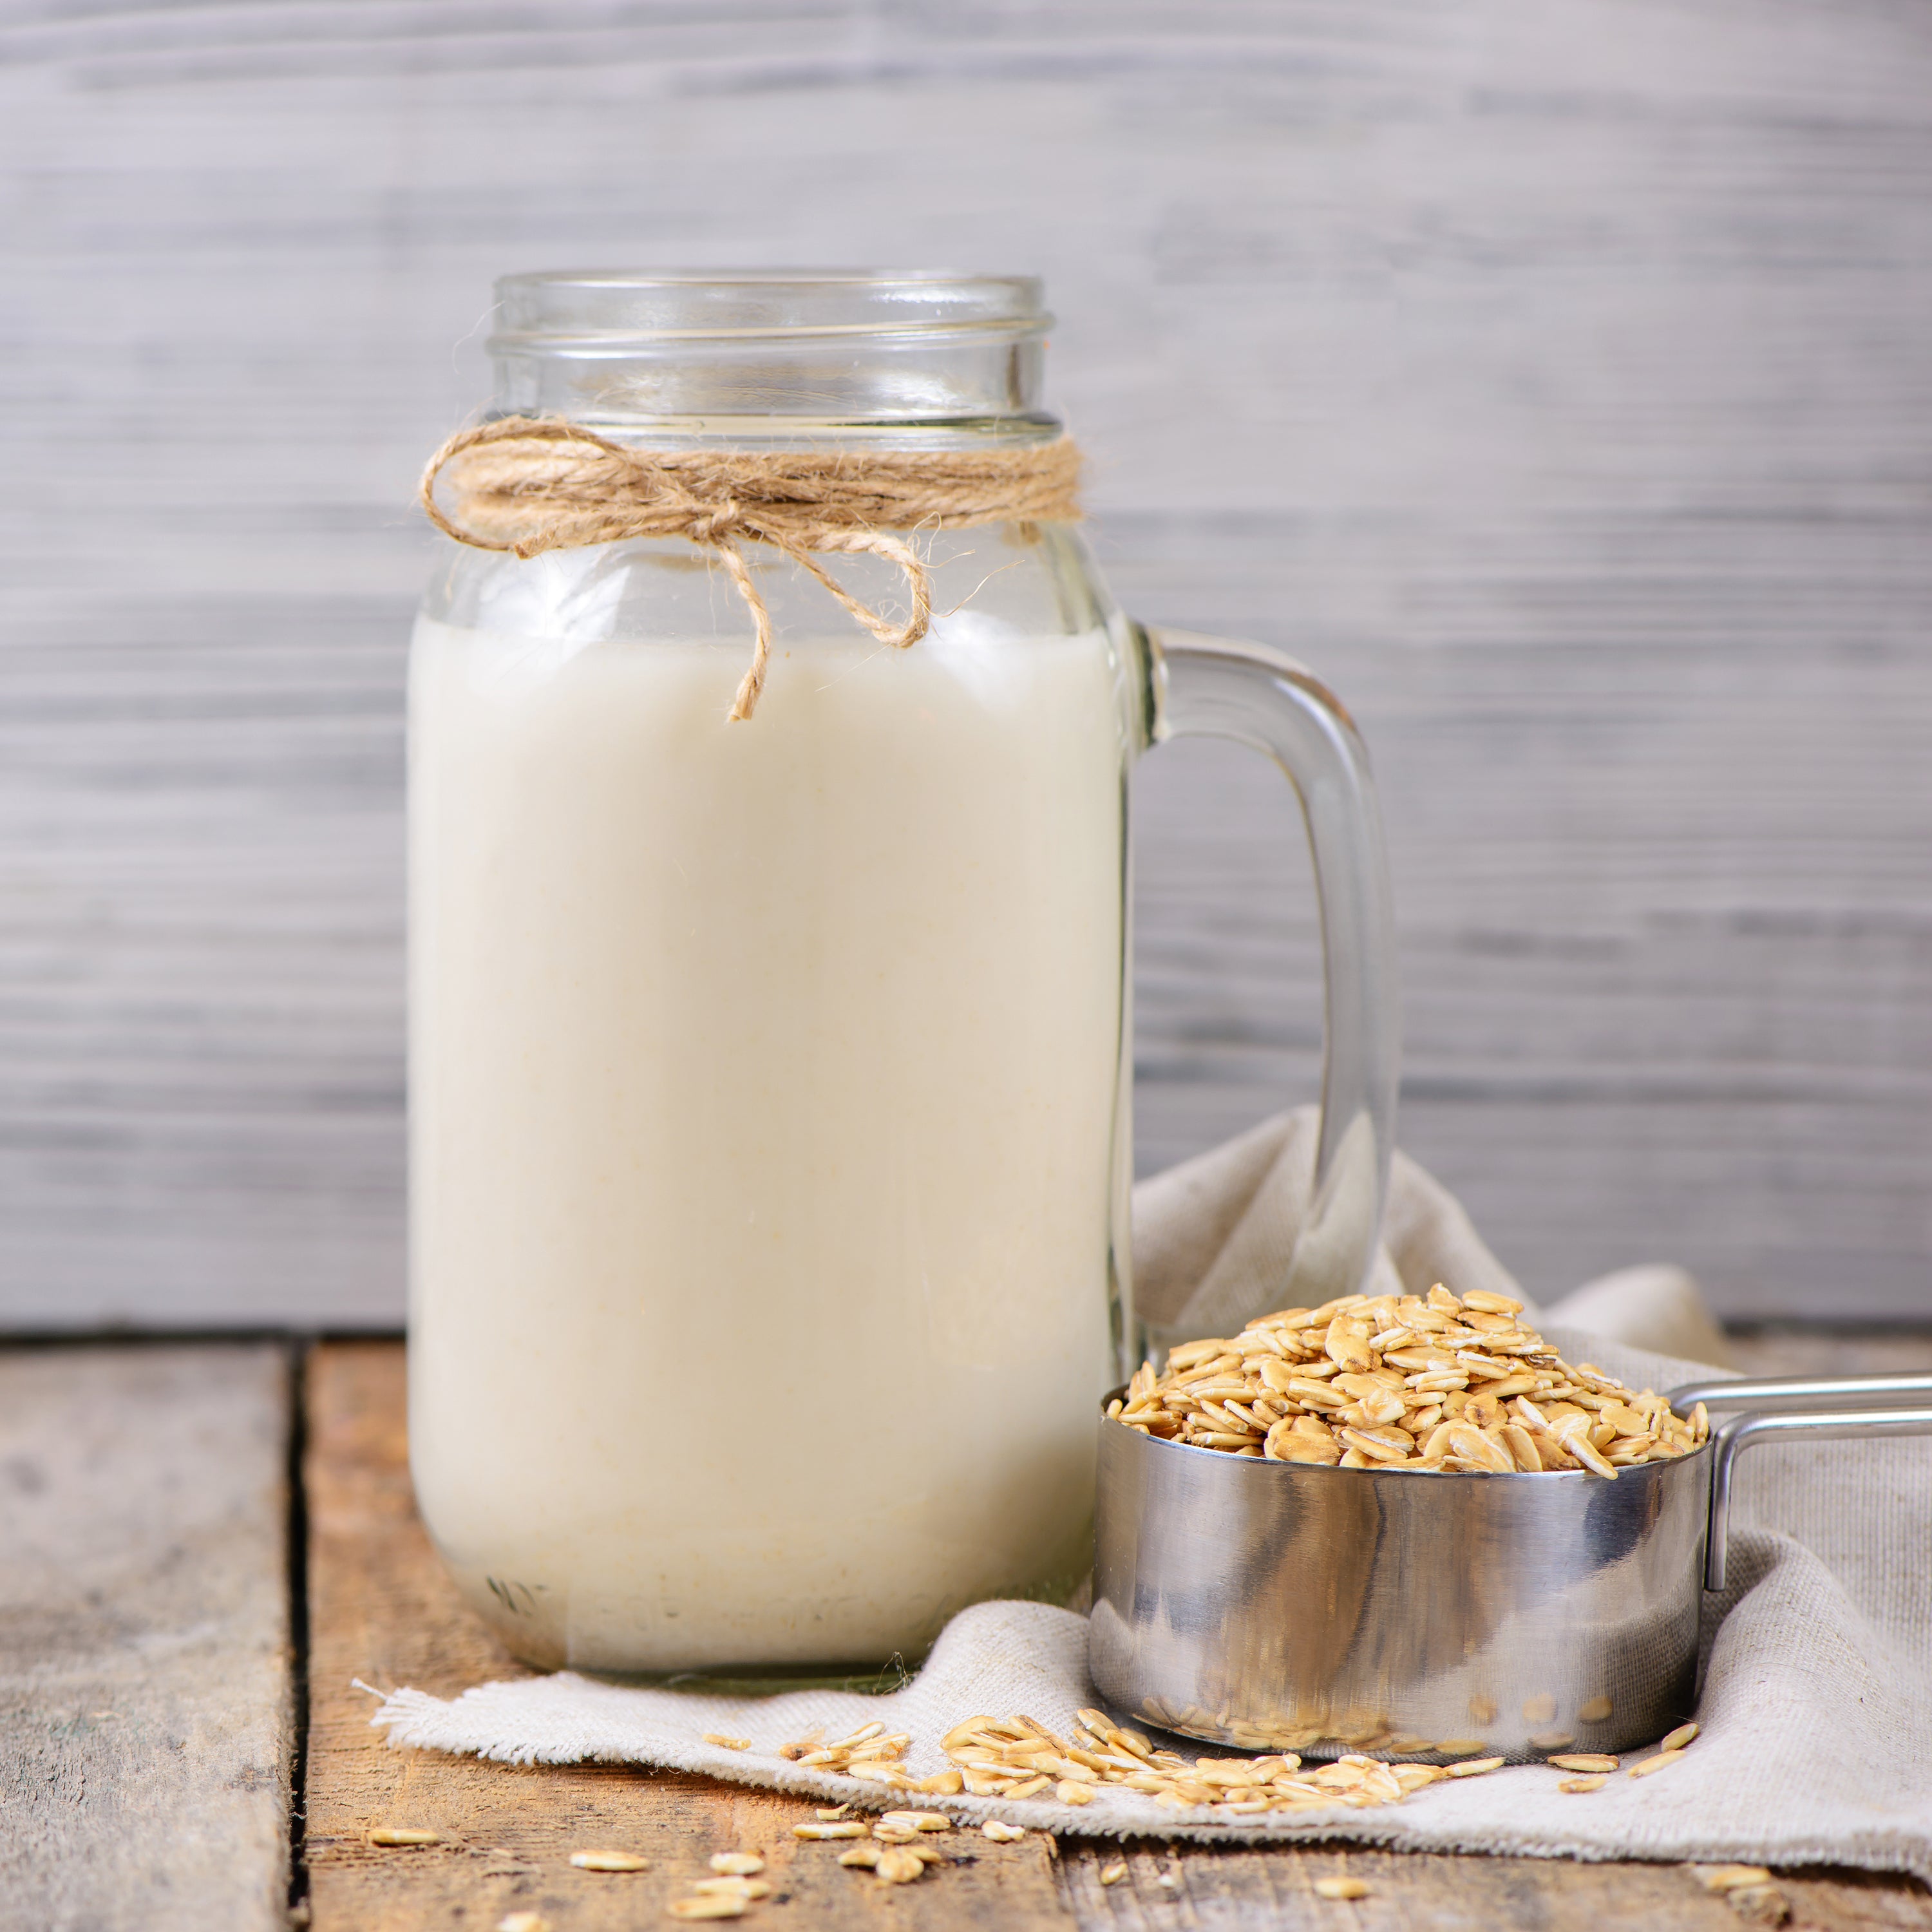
(1818, 1687)
(1214, 1237)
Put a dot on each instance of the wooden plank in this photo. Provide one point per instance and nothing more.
(381, 1608)
(144, 1683)
(1235, 1891)
(1559, 385)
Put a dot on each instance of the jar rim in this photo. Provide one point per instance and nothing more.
(605, 312)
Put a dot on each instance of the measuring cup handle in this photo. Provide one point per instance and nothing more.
(1746, 1432)
(1213, 687)
(1797, 1395)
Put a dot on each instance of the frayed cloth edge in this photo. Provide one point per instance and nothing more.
(408, 1719)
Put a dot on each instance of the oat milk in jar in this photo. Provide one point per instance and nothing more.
(769, 1075)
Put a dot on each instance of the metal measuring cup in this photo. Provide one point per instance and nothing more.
(1292, 1606)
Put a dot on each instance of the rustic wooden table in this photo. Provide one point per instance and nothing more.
(205, 1543)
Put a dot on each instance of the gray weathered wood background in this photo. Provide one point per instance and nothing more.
(147, 1714)
(1556, 378)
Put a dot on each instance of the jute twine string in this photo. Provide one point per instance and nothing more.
(527, 485)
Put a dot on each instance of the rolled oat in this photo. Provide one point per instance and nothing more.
(1425, 1385)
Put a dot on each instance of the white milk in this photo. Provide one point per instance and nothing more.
(763, 1083)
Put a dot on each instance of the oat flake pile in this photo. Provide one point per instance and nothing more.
(1426, 1384)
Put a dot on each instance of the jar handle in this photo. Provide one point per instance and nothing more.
(1212, 687)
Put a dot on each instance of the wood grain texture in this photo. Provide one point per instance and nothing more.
(1634, 1028)
(145, 1681)
(381, 1608)
(1557, 383)
(1234, 1891)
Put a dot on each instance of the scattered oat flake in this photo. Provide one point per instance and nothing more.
(404, 1834)
(1663, 1760)
(845, 1828)
(1018, 1756)
(1341, 1888)
(827, 1814)
(900, 1867)
(1679, 1737)
(1585, 1761)
(522, 1921)
(734, 1886)
(609, 1862)
(708, 1905)
(866, 1856)
(1594, 1710)
(728, 1744)
(1002, 1833)
(1729, 1878)
(1114, 1874)
(739, 1865)
(1595, 1783)
(919, 1821)
(1473, 1767)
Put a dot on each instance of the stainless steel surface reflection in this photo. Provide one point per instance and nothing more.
(1277, 1606)
(1288, 1607)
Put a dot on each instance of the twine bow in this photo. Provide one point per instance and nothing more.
(527, 485)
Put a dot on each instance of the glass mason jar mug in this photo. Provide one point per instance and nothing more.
(769, 1079)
